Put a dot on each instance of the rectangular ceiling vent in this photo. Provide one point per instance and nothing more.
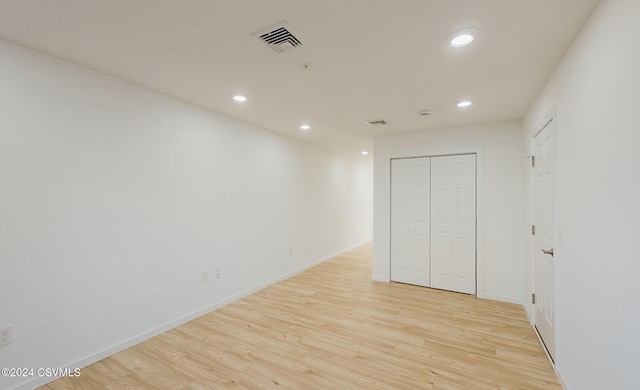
(376, 123)
(280, 37)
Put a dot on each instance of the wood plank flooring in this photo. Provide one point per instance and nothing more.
(331, 327)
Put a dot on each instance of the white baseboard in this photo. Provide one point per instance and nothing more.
(501, 298)
(106, 352)
(529, 316)
(564, 386)
(379, 278)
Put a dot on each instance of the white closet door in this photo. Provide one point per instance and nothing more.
(453, 223)
(410, 202)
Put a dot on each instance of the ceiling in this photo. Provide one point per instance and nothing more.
(370, 59)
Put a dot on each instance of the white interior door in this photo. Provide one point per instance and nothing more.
(544, 155)
(410, 202)
(453, 223)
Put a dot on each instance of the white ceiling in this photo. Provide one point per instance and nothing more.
(370, 59)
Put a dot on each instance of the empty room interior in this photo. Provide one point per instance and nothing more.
(360, 194)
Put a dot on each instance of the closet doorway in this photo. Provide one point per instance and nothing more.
(433, 222)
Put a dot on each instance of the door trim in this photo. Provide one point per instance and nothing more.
(479, 209)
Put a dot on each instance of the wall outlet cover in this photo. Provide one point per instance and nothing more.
(6, 335)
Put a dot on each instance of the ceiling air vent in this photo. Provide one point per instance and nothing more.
(376, 123)
(280, 37)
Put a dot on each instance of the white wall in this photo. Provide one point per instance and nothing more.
(595, 92)
(500, 187)
(115, 199)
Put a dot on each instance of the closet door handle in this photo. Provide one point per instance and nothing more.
(548, 252)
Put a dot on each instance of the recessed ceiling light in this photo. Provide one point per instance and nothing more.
(464, 103)
(239, 98)
(462, 37)
(364, 152)
(305, 127)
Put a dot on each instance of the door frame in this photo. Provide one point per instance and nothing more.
(437, 152)
(548, 118)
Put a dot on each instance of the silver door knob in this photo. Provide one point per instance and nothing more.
(548, 252)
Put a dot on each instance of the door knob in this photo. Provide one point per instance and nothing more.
(548, 252)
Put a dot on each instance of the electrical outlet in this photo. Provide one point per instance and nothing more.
(6, 335)
(205, 278)
(218, 272)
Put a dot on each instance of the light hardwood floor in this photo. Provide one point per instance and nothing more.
(331, 327)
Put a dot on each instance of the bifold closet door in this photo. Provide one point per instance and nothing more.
(410, 202)
(453, 223)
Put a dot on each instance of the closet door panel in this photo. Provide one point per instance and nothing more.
(410, 224)
(453, 223)
(441, 223)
